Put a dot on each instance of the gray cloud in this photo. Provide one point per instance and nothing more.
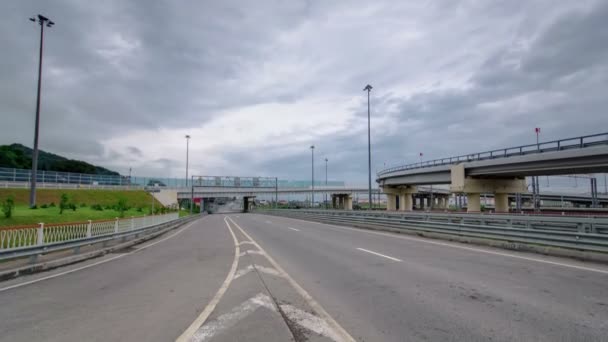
(449, 78)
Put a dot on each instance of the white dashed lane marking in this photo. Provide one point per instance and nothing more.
(294, 229)
(378, 254)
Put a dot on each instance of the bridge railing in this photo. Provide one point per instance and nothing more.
(548, 146)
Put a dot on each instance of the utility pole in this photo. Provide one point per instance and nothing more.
(326, 204)
(42, 21)
(191, 195)
(187, 155)
(312, 150)
(369, 148)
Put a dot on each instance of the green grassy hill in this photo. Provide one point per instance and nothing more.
(20, 157)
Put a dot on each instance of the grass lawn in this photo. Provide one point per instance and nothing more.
(134, 198)
(23, 215)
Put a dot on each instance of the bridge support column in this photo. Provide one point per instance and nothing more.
(501, 203)
(501, 187)
(406, 202)
(342, 201)
(421, 203)
(441, 202)
(348, 202)
(473, 202)
(391, 202)
(405, 197)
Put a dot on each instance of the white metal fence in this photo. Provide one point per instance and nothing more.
(18, 237)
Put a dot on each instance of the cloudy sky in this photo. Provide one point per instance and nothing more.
(255, 83)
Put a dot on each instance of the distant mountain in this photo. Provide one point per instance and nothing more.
(20, 157)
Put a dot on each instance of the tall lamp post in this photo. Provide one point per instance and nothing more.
(42, 21)
(369, 148)
(326, 204)
(312, 199)
(187, 155)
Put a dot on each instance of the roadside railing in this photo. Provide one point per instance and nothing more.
(580, 233)
(548, 146)
(43, 236)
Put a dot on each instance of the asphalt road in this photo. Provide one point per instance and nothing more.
(249, 277)
(150, 295)
(436, 291)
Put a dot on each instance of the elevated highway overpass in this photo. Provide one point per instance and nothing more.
(500, 172)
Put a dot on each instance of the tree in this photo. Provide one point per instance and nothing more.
(7, 207)
(64, 203)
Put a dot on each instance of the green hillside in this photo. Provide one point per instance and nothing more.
(20, 157)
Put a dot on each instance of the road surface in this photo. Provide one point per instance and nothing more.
(249, 277)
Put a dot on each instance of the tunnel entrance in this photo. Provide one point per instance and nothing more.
(248, 201)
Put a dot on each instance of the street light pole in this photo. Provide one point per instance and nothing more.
(369, 148)
(187, 155)
(326, 204)
(42, 21)
(312, 150)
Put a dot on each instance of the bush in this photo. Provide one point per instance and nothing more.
(73, 206)
(108, 207)
(83, 205)
(63, 203)
(52, 205)
(140, 209)
(121, 206)
(34, 207)
(97, 207)
(44, 206)
(7, 207)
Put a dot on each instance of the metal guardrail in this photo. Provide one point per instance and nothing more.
(589, 234)
(548, 146)
(24, 241)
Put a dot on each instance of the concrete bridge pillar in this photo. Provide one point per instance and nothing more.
(421, 203)
(342, 201)
(441, 202)
(348, 202)
(391, 202)
(406, 202)
(501, 187)
(501, 203)
(473, 202)
(405, 197)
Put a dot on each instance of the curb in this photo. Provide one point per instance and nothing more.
(53, 264)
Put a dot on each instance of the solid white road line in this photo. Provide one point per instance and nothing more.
(231, 318)
(472, 249)
(253, 267)
(341, 333)
(33, 281)
(294, 229)
(253, 251)
(200, 320)
(309, 321)
(245, 243)
(378, 254)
